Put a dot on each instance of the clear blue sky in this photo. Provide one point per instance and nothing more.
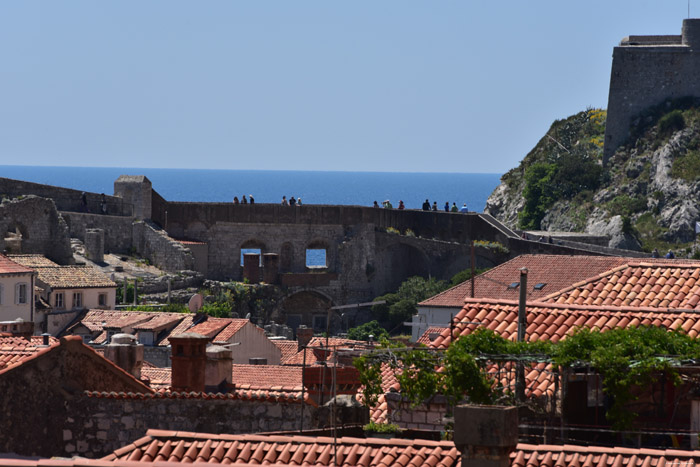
(417, 86)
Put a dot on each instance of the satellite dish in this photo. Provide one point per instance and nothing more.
(195, 303)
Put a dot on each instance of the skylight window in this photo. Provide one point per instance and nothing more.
(540, 285)
(514, 285)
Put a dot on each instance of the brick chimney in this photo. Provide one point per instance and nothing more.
(486, 435)
(18, 328)
(126, 353)
(189, 360)
(304, 336)
(219, 369)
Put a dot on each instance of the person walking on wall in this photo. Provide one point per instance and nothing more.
(401, 205)
(464, 208)
(235, 200)
(284, 201)
(292, 201)
(447, 206)
(244, 200)
(454, 208)
(426, 205)
(434, 205)
(252, 200)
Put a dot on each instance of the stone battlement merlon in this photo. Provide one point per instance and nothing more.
(634, 41)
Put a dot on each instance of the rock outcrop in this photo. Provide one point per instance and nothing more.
(650, 190)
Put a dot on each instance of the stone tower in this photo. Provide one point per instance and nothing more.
(646, 71)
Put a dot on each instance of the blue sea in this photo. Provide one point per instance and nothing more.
(313, 187)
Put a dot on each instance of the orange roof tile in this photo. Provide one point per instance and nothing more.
(277, 449)
(431, 334)
(576, 456)
(555, 271)
(72, 277)
(288, 349)
(603, 317)
(211, 327)
(14, 350)
(272, 378)
(98, 320)
(7, 266)
(333, 342)
(33, 261)
(233, 327)
(643, 284)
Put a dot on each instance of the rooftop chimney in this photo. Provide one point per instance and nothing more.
(486, 435)
(319, 379)
(304, 336)
(219, 369)
(189, 359)
(126, 353)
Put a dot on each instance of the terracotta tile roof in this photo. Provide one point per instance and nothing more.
(333, 342)
(33, 261)
(211, 327)
(274, 449)
(675, 285)
(288, 348)
(275, 379)
(73, 277)
(97, 320)
(185, 324)
(243, 394)
(431, 334)
(527, 455)
(272, 377)
(7, 266)
(160, 378)
(555, 271)
(14, 350)
(232, 328)
(552, 321)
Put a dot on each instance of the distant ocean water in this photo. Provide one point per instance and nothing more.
(347, 188)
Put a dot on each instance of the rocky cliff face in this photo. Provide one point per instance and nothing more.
(648, 195)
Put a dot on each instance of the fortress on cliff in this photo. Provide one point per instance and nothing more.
(646, 71)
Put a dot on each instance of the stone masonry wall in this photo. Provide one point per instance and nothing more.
(43, 230)
(97, 426)
(118, 230)
(646, 75)
(154, 243)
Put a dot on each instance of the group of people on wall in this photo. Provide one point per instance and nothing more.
(426, 206)
(244, 200)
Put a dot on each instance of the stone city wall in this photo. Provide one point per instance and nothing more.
(66, 199)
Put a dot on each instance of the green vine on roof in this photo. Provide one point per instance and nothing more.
(624, 358)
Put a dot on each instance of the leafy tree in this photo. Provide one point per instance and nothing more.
(362, 332)
(465, 275)
(539, 194)
(401, 305)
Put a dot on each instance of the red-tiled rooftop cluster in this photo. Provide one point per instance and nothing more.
(551, 321)
(170, 446)
(554, 271)
(638, 285)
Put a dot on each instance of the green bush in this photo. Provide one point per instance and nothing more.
(362, 332)
(401, 305)
(687, 166)
(625, 205)
(671, 122)
(463, 276)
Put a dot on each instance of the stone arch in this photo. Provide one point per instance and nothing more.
(286, 257)
(405, 260)
(308, 307)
